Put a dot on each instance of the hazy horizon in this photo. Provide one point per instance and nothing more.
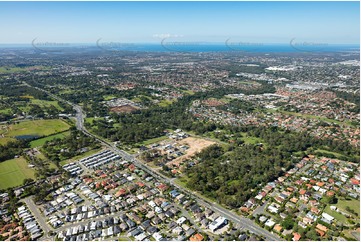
(151, 22)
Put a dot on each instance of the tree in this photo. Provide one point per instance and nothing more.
(27, 181)
(312, 235)
(288, 223)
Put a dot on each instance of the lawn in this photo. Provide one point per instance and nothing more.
(6, 69)
(40, 142)
(46, 103)
(353, 204)
(339, 217)
(154, 140)
(5, 111)
(109, 97)
(342, 204)
(75, 158)
(182, 182)
(337, 155)
(13, 172)
(166, 102)
(309, 116)
(250, 139)
(190, 92)
(90, 120)
(5, 140)
(35, 127)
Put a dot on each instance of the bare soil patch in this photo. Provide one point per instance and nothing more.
(196, 145)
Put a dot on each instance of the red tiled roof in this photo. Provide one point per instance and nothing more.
(320, 232)
(120, 192)
(296, 236)
(132, 167)
(196, 237)
(330, 193)
(355, 181)
(162, 187)
(302, 191)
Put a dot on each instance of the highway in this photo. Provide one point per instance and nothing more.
(237, 219)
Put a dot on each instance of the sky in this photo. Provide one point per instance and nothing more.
(150, 22)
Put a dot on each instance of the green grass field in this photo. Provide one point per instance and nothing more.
(5, 140)
(40, 142)
(190, 92)
(329, 152)
(46, 103)
(36, 127)
(342, 204)
(339, 217)
(154, 140)
(165, 102)
(109, 97)
(309, 116)
(250, 139)
(88, 153)
(5, 111)
(7, 70)
(91, 119)
(353, 204)
(13, 172)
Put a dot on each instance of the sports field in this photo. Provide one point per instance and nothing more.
(13, 172)
(33, 128)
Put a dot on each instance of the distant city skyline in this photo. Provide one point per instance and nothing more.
(198, 22)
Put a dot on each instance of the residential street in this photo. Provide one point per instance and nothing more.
(237, 219)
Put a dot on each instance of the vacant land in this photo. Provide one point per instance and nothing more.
(250, 139)
(124, 109)
(6, 69)
(37, 128)
(109, 97)
(166, 102)
(5, 140)
(195, 146)
(46, 103)
(40, 142)
(78, 157)
(342, 204)
(13, 172)
(353, 204)
(5, 111)
(309, 116)
(154, 140)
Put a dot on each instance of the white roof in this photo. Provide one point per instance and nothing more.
(316, 188)
(270, 223)
(216, 223)
(157, 236)
(273, 209)
(327, 216)
(181, 220)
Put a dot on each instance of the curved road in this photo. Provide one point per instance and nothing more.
(245, 222)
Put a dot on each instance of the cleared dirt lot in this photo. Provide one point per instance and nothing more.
(124, 109)
(195, 146)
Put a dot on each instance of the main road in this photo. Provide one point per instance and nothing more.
(237, 219)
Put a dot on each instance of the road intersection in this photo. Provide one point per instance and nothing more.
(247, 224)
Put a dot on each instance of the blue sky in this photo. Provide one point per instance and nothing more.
(260, 22)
